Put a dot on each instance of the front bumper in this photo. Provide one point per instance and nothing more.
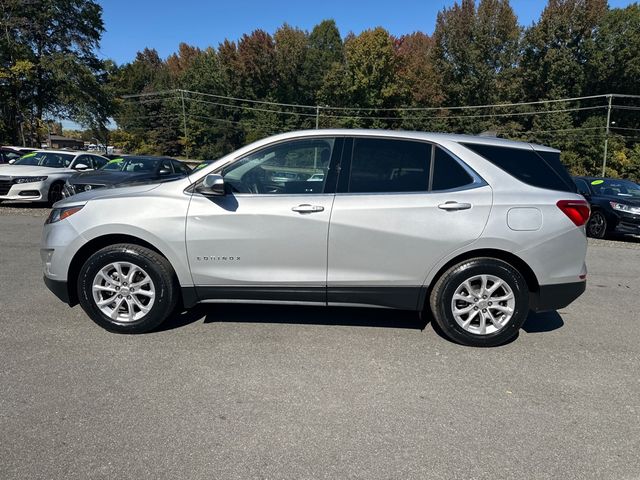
(555, 297)
(59, 288)
(628, 223)
(25, 192)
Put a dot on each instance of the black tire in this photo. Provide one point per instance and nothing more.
(597, 226)
(445, 287)
(159, 271)
(55, 193)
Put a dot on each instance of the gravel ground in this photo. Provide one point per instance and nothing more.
(23, 209)
(232, 391)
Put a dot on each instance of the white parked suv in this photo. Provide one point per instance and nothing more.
(40, 176)
(476, 230)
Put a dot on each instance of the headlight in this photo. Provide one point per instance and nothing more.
(29, 179)
(58, 214)
(624, 208)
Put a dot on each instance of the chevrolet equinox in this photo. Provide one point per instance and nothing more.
(476, 230)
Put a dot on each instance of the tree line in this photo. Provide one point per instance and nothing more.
(203, 103)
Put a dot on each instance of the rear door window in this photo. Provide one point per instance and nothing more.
(389, 165)
(536, 168)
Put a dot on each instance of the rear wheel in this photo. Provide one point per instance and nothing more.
(127, 288)
(480, 302)
(597, 225)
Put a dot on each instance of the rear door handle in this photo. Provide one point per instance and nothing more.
(454, 206)
(306, 208)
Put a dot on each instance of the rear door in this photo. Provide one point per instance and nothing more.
(401, 206)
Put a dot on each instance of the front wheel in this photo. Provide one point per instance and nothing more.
(597, 225)
(55, 193)
(127, 288)
(480, 302)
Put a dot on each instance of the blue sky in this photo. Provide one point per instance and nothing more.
(133, 25)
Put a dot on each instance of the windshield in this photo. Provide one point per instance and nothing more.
(46, 159)
(132, 165)
(617, 188)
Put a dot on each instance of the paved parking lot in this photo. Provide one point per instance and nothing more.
(284, 392)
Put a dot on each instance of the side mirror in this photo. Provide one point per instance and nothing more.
(164, 171)
(212, 185)
(81, 166)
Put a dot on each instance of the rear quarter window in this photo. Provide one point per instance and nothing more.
(536, 168)
(448, 173)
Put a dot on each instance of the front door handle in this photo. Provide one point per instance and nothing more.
(306, 208)
(449, 206)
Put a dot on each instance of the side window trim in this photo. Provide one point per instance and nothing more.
(432, 166)
(343, 186)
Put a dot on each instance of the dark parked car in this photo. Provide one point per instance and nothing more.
(13, 153)
(615, 205)
(127, 170)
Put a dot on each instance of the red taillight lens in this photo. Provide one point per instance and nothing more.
(577, 210)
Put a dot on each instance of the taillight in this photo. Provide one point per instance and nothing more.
(577, 210)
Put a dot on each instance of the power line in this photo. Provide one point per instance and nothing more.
(363, 117)
(244, 107)
(248, 100)
(456, 117)
(328, 107)
(149, 94)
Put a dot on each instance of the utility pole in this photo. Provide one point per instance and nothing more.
(317, 116)
(606, 135)
(48, 134)
(184, 125)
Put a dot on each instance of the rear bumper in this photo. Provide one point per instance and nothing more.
(59, 289)
(555, 297)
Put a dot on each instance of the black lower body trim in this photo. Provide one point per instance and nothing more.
(404, 298)
(59, 289)
(270, 294)
(554, 297)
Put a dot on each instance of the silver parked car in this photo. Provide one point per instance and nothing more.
(476, 230)
(40, 176)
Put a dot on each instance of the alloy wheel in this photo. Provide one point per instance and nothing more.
(124, 292)
(483, 304)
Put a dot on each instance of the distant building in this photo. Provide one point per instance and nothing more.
(58, 142)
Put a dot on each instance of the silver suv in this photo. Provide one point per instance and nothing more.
(476, 230)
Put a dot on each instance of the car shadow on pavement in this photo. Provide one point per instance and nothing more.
(301, 315)
(628, 238)
(542, 322)
(343, 316)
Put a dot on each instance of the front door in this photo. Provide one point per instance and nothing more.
(267, 238)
